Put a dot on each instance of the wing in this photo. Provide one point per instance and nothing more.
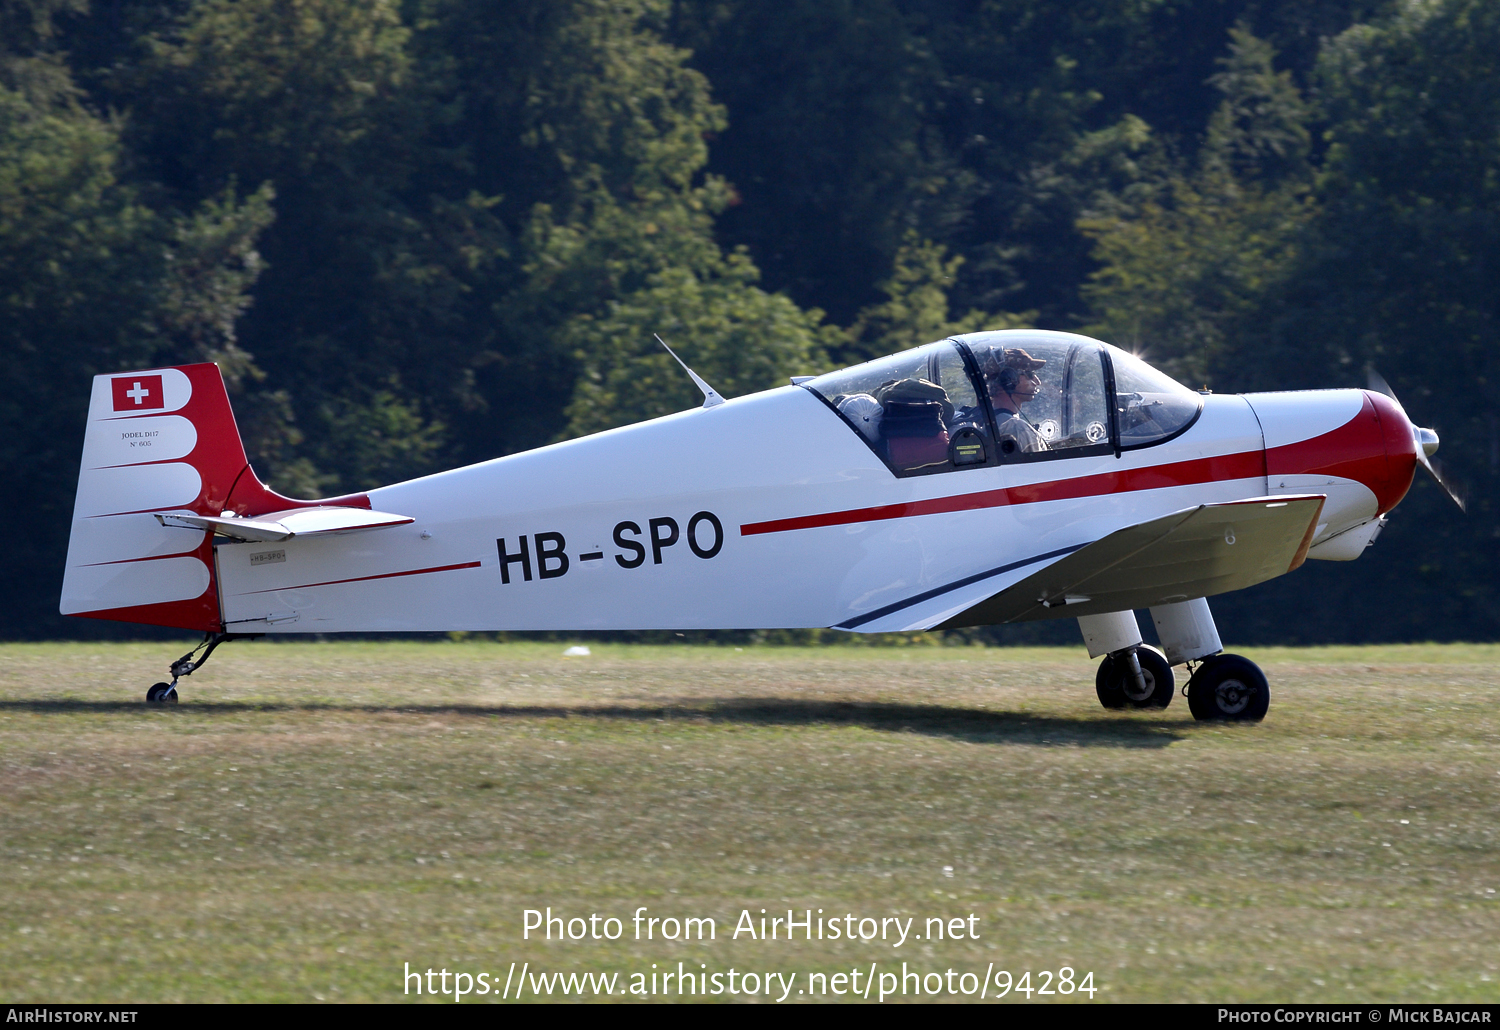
(1197, 552)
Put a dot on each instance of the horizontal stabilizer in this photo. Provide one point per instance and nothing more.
(283, 525)
(1197, 552)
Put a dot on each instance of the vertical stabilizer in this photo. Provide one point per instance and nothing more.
(162, 440)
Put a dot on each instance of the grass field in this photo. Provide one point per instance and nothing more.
(314, 815)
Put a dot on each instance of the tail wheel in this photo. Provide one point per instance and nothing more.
(1230, 688)
(162, 693)
(1116, 686)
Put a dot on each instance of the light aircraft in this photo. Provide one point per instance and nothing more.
(989, 478)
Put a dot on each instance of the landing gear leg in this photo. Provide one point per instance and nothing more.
(189, 663)
(1224, 686)
(1135, 678)
(1131, 675)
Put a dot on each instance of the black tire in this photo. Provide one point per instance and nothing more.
(1113, 682)
(161, 693)
(1229, 688)
(1108, 686)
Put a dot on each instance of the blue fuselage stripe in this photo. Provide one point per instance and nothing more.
(927, 595)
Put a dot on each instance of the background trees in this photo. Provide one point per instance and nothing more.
(431, 231)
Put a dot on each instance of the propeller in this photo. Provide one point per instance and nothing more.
(1426, 440)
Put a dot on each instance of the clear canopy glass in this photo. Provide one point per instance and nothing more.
(917, 409)
(1047, 392)
(1149, 404)
(1005, 396)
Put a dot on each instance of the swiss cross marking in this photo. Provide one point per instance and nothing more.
(137, 393)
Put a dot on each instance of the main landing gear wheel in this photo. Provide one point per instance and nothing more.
(1228, 687)
(1116, 685)
(162, 693)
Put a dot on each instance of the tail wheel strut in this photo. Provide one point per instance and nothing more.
(190, 663)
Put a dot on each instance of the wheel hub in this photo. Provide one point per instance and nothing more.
(1134, 693)
(1233, 696)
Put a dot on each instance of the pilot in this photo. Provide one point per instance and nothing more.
(1012, 381)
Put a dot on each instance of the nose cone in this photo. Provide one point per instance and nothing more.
(1353, 435)
(1429, 441)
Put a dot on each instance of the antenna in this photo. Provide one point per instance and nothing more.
(711, 397)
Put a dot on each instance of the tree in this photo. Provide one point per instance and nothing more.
(915, 310)
(827, 143)
(318, 99)
(92, 280)
(739, 338)
(1263, 268)
(593, 129)
(1185, 267)
(1402, 271)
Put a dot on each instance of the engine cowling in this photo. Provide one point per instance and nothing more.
(1355, 446)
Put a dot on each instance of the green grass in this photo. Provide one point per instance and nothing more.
(314, 815)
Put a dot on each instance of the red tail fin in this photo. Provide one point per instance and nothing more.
(164, 440)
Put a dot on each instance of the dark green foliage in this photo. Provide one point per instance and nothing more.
(421, 232)
(967, 120)
(1188, 254)
(1261, 267)
(94, 280)
(1402, 271)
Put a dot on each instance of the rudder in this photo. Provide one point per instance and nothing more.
(162, 440)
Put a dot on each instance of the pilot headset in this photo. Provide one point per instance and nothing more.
(1010, 377)
(1006, 377)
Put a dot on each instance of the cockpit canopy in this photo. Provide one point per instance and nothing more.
(1008, 396)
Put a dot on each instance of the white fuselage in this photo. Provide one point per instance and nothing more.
(855, 545)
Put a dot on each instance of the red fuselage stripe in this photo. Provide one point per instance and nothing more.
(361, 579)
(150, 557)
(1245, 465)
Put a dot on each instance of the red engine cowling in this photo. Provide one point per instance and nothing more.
(1376, 448)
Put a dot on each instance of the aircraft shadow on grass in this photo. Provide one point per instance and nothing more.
(975, 725)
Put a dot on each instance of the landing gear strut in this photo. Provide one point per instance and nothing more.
(1138, 677)
(1223, 686)
(1133, 675)
(186, 665)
